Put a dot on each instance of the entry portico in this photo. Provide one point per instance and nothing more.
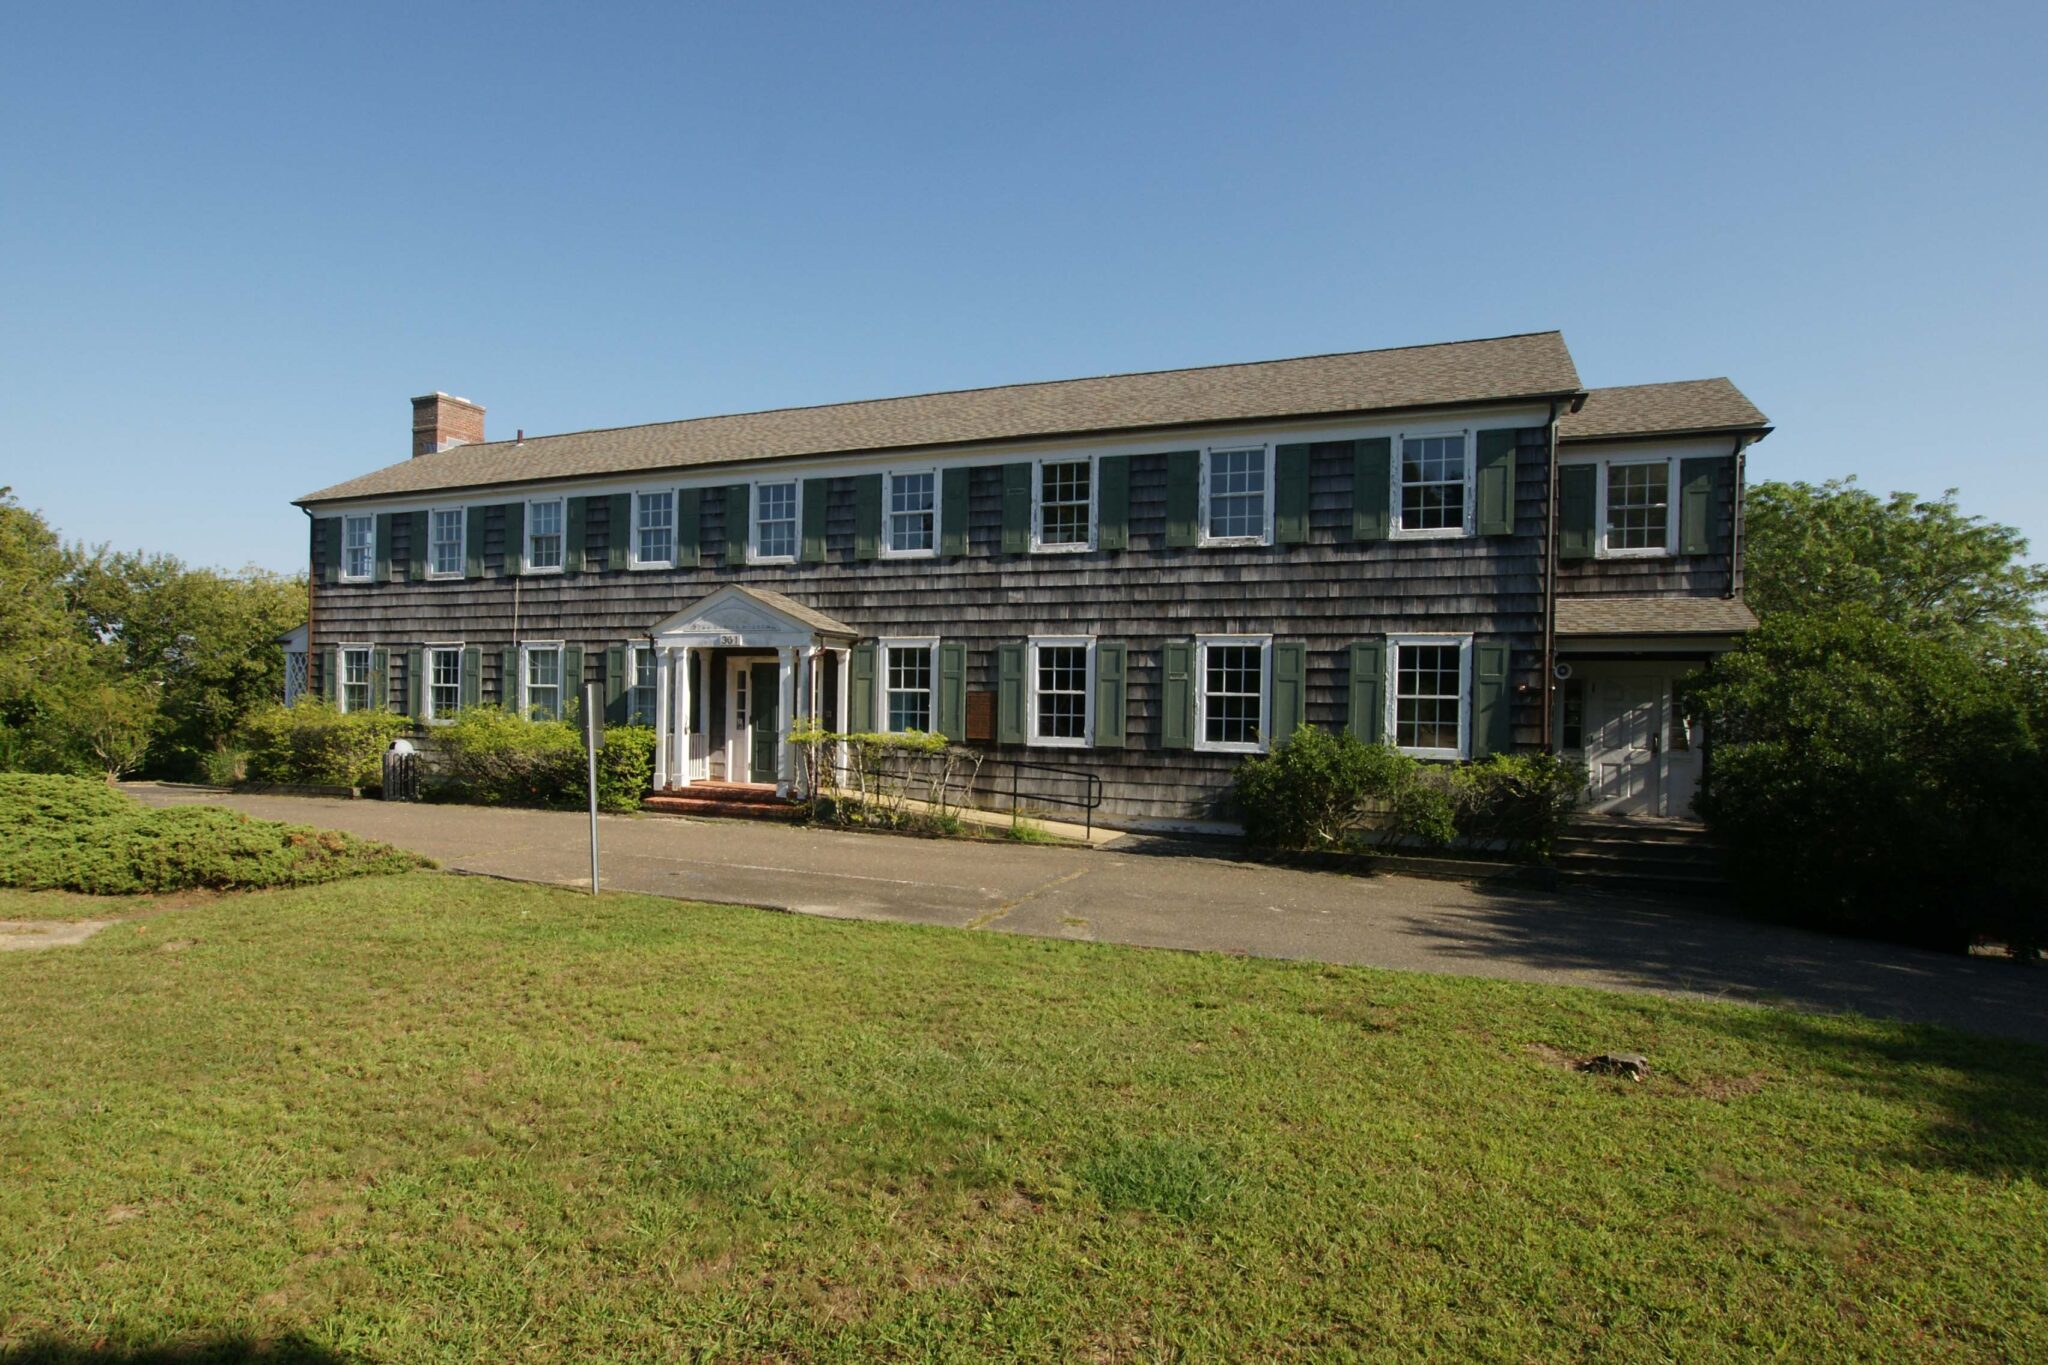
(739, 666)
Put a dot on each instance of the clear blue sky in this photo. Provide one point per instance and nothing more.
(235, 240)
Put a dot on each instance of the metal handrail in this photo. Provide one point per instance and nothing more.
(1087, 803)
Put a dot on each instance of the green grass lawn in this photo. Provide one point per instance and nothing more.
(433, 1117)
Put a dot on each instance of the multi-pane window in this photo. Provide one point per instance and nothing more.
(444, 541)
(1433, 483)
(1236, 494)
(1639, 506)
(640, 695)
(1063, 504)
(1233, 678)
(355, 679)
(1059, 686)
(444, 683)
(654, 528)
(775, 520)
(358, 546)
(1429, 696)
(544, 682)
(913, 513)
(907, 695)
(544, 535)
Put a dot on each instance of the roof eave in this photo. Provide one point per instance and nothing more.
(1756, 431)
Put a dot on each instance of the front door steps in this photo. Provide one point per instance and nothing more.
(1633, 854)
(727, 800)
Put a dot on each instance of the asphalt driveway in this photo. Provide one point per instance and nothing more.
(1173, 894)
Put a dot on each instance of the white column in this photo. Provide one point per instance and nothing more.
(661, 722)
(682, 718)
(843, 663)
(804, 707)
(785, 684)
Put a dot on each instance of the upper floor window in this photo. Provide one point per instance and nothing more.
(1230, 701)
(444, 682)
(541, 682)
(1638, 507)
(1427, 710)
(641, 686)
(909, 685)
(1433, 493)
(445, 546)
(354, 694)
(775, 520)
(1065, 505)
(358, 548)
(544, 536)
(1060, 692)
(1235, 485)
(654, 529)
(912, 524)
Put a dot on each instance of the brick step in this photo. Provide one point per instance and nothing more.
(723, 806)
(1616, 851)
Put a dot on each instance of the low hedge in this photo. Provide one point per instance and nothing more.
(312, 744)
(77, 834)
(491, 757)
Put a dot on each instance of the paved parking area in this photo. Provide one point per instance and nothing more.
(1176, 894)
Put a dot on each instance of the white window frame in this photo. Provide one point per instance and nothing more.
(634, 653)
(461, 569)
(526, 649)
(526, 564)
(1031, 735)
(428, 713)
(1470, 525)
(1038, 545)
(888, 517)
(369, 653)
(369, 549)
(928, 643)
(675, 503)
(1202, 742)
(796, 530)
(1395, 643)
(1607, 463)
(1202, 536)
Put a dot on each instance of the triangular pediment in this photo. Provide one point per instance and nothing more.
(738, 616)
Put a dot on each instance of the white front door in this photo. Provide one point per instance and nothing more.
(1624, 742)
(741, 756)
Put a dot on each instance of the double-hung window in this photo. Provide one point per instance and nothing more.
(1433, 486)
(641, 687)
(775, 522)
(1236, 488)
(910, 523)
(1061, 678)
(445, 547)
(1231, 692)
(909, 692)
(1066, 504)
(1636, 508)
(354, 694)
(1427, 711)
(541, 682)
(358, 548)
(443, 681)
(544, 536)
(654, 529)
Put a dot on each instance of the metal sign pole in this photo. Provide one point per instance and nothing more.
(593, 733)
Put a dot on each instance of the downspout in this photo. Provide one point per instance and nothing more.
(1738, 523)
(1549, 679)
(312, 590)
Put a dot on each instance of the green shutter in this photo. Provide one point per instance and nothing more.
(1010, 693)
(380, 680)
(1110, 692)
(615, 709)
(472, 676)
(1290, 495)
(572, 680)
(416, 562)
(689, 535)
(382, 573)
(736, 528)
(327, 547)
(1113, 503)
(330, 675)
(1492, 721)
(473, 543)
(573, 534)
(860, 690)
(1177, 695)
(1702, 529)
(415, 683)
(817, 499)
(1368, 690)
(515, 538)
(618, 530)
(1183, 497)
(953, 690)
(1290, 690)
(1016, 508)
(1372, 488)
(867, 518)
(1577, 492)
(953, 515)
(1495, 476)
(508, 680)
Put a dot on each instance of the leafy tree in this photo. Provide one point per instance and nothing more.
(46, 650)
(114, 722)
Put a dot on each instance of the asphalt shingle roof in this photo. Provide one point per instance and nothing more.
(1662, 409)
(1653, 616)
(1531, 365)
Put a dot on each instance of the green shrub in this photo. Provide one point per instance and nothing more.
(1315, 786)
(310, 743)
(1426, 809)
(224, 767)
(494, 758)
(625, 767)
(73, 834)
(1523, 799)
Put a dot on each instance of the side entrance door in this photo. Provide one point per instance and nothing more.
(1625, 728)
(764, 692)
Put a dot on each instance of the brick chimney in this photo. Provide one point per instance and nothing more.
(441, 420)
